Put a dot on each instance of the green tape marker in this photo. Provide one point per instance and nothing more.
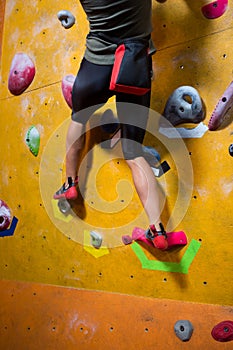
(181, 267)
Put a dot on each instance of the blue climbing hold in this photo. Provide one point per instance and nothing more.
(231, 150)
(151, 151)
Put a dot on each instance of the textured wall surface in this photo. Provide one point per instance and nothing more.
(50, 248)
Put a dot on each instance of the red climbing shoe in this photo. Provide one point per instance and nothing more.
(69, 192)
(158, 238)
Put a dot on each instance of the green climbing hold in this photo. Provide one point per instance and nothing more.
(33, 140)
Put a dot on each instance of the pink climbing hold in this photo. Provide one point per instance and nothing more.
(67, 86)
(223, 331)
(5, 216)
(21, 74)
(215, 9)
(223, 106)
(126, 239)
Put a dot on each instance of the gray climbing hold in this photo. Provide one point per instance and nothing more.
(96, 239)
(184, 106)
(64, 206)
(183, 329)
(66, 18)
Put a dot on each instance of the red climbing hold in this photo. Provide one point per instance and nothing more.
(21, 74)
(67, 86)
(223, 331)
(5, 216)
(215, 9)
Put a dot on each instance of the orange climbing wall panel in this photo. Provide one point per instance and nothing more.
(67, 318)
(48, 248)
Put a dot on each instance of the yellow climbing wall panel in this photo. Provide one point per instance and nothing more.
(51, 248)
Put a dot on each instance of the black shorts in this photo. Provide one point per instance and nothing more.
(91, 91)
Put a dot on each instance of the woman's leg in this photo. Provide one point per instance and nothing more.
(74, 145)
(90, 91)
(133, 118)
(147, 188)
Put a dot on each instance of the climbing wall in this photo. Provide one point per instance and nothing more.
(56, 288)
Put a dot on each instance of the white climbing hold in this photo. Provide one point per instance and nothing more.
(96, 239)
